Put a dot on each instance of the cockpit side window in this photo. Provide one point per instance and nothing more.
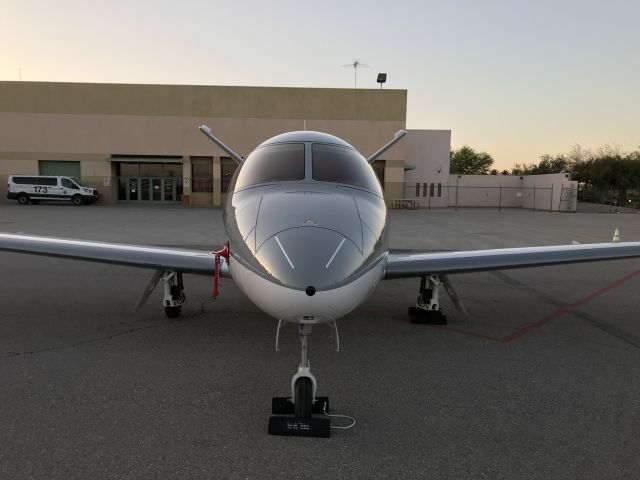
(332, 163)
(273, 163)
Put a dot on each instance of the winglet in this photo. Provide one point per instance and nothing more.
(209, 134)
(399, 134)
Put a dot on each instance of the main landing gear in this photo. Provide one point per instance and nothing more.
(428, 310)
(174, 296)
(173, 293)
(294, 415)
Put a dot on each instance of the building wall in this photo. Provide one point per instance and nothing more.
(429, 151)
(92, 122)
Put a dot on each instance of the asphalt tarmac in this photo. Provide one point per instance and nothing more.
(540, 382)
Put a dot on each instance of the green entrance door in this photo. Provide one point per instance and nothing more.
(148, 190)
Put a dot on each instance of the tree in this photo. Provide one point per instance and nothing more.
(609, 174)
(549, 164)
(466, 161)
(524, 169)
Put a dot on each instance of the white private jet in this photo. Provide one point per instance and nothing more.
(307, 243)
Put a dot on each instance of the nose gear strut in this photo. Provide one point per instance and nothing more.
(294, 415)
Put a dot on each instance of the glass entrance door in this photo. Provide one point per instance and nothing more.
(133, 189)
(149, 190)
(145, 189)
(156, 189)
(169, 189)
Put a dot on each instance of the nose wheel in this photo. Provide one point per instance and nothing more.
(294, 415)
(303, 398)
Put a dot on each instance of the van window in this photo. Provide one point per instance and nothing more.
(66, 183)
(273, 163)
(48, 181)
(24, 180)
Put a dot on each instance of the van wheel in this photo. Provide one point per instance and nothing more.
(23, 199)
(35, 202)
(77, 200)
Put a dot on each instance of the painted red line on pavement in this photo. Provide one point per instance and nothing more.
(472, 334)
(533, 326)
(552, 316)
(564, 310)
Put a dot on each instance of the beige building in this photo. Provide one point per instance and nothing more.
(141, 144)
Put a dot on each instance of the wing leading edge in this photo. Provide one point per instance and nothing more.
(418, 264)
(187, 261)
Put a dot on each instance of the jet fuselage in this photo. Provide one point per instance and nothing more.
(307, 227)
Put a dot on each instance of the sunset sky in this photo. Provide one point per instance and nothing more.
(516, 79)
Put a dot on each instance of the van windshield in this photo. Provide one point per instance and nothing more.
(66, 183)
(77, 182)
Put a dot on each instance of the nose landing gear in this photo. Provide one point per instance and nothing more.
(293, 415)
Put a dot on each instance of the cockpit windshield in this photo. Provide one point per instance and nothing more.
(272, 163)
(333, 163)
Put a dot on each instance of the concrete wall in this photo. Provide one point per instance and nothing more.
(550, 186)
(482, 191)
(536, 192)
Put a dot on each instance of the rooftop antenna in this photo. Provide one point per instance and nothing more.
(19, 73)
(356, 64)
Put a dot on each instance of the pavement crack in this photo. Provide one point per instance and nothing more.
(77, 344)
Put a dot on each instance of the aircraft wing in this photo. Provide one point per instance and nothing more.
(416, 264)
(157, 258)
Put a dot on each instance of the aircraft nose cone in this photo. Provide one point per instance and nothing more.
(284, 210)
(309, 258)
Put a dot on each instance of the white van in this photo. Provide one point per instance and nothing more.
(33, 188)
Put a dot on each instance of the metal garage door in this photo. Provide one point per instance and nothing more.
(50, 167)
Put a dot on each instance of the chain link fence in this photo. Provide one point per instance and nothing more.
(608, 201)
(432, 195)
